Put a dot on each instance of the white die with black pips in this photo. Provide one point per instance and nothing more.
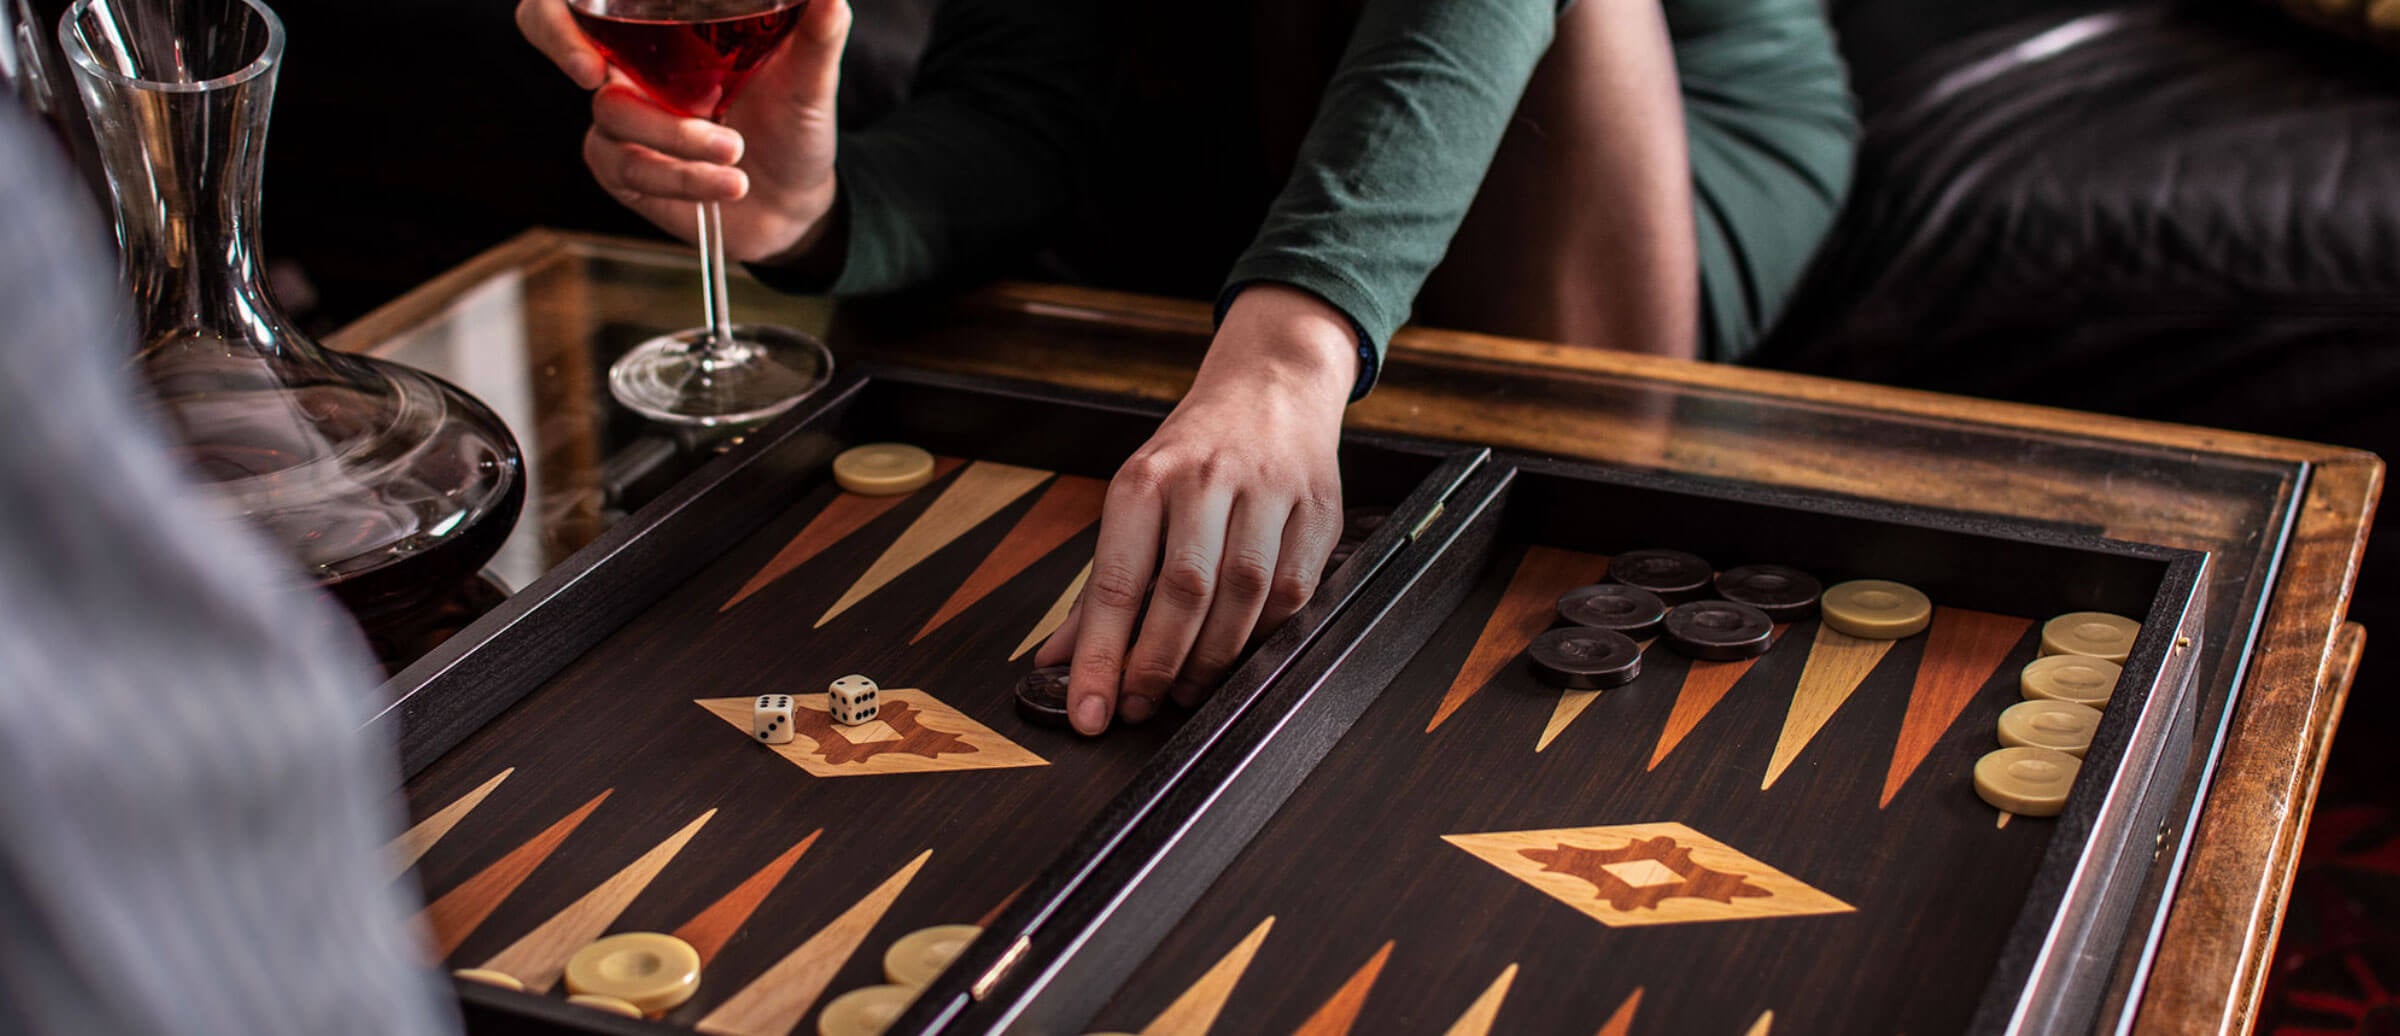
(771, 718)
(851, 699)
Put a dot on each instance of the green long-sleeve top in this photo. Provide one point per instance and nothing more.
(1073, 125)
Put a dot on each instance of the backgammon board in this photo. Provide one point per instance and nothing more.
(1382, 823)
(1411, 833)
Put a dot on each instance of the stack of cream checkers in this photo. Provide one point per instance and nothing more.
(634, 974)
(2044, 736)
(912, 961)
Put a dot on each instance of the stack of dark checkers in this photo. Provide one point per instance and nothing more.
(1700, 612)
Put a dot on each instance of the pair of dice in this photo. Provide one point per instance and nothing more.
(850, 699)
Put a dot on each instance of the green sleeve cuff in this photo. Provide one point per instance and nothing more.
(1369, 319)
(874, 238)
(910, 216)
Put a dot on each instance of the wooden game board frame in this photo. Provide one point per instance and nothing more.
(498, 660)
(1051, 970)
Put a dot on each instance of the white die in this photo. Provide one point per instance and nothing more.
(771, 718)
(851, 699)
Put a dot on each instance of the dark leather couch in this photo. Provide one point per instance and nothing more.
(2186, 211)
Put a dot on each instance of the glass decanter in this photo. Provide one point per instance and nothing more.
(388, 485)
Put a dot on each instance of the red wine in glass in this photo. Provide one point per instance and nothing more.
(694, 57)
(692, 66)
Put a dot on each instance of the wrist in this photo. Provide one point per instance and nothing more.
(1287, 338)
(822, 242)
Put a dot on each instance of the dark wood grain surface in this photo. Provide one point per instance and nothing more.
(1384, 854)
(613, 756)
(623, 717)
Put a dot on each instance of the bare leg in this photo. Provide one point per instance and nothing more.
(1583, 231)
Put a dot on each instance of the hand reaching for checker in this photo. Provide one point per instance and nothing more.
(769, 162)
(1222, 522)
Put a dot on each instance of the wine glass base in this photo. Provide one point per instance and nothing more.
(765, 371)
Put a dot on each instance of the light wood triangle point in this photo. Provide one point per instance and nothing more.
(1837, 664)
(1486, 1008)
(774, 1002)
(537, 959)
(1055, 617)
(1571, 705)
(1196, 1010)
(406, 850)
(978, 493)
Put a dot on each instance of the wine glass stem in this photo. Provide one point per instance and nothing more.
(712, 282)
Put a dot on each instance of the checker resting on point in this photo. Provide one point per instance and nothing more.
(1658, 173)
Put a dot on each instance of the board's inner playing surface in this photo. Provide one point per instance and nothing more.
(636, 799)
(1791, 843)
(627, 793)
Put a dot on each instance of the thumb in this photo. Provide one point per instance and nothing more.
(812, 60)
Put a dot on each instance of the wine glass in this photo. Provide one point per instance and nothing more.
(693, 56)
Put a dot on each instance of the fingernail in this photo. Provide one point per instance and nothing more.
(1091, 714)
(1136, 709)
(732, 142)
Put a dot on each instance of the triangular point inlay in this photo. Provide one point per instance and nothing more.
(1524, 611)
(537, 959)
(1571, 705)
(1620, 1021)
(1055, 617)
(1340, 1011)
(1962, 651)
(1196, 1010)
(1704, 685)
(978, 493)
(775, 1001)
(1837, 664)
(1070, 505)
(463, 909)
(406, 850)
(708, 930)
(1486, 1008)
(845, 514)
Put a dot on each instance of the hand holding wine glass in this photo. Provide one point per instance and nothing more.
(768, 161)
(727, 105)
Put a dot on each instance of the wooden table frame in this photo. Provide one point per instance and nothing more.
(2215, 954)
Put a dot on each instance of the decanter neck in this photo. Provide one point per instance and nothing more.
(184, 163)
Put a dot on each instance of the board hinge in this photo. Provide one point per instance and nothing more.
(991, 979)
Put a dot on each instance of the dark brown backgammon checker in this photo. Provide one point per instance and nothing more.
(1412, 833)
(581, 762)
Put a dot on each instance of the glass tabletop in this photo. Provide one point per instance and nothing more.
(532, 327)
